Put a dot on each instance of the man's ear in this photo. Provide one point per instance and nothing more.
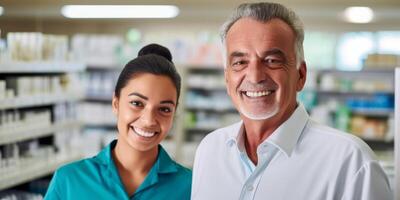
(114, 104)
(226, 80)
(302, 76)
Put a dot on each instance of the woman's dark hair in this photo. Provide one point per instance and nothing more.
(153, 59)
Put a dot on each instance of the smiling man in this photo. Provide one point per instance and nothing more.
(277, 151)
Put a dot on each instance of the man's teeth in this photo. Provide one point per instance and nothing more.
(258, 94)
(143, 133)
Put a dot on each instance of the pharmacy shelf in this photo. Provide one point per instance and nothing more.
(41, 67)
(102, 67)
(105, 124)
(21, 133)
(37, 168)
(373, 112)
(99, 98)
(206, 67)
(202, 128)
(205, 87)
(212, 109)
(33, 101)
(351, 93)
(358, 72)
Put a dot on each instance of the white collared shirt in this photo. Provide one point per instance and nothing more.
(301, 160)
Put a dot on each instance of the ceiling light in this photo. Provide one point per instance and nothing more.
(358, 14)
(120, 11)
(1, 10)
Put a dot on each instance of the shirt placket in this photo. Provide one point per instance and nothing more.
(265, 154)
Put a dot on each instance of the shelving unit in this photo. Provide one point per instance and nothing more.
(366, 94)
(396, 184)
(40, 67)
(99, 97)
(42, 100)
(37, 168)
(21, 133)
(205, 106)
(52, 96)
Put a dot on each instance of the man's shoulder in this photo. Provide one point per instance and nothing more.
(222, 134)
(336, 141)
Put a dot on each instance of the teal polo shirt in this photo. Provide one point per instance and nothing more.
(98, 178)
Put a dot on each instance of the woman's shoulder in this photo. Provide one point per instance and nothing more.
(183, 171)
(85, 166)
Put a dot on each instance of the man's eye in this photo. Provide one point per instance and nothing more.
(240, 62)
(238, 65)
(136, 103)
(273, 62)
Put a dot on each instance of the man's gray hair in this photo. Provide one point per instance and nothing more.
(265, 12)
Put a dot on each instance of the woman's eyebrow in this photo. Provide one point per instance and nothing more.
(168, 102)
(139, 95)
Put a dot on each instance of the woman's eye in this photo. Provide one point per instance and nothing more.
(166, 110)
(136, 103)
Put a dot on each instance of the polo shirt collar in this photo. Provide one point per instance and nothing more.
(104, 157)
(285, 137)
(164, 163)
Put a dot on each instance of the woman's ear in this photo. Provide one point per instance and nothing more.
(114, 103)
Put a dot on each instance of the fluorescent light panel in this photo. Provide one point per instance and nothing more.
(120, 11)
(1, 10)
(359, 14)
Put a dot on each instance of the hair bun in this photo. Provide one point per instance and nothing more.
(156, 49)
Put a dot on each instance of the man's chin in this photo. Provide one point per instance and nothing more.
(257, 115)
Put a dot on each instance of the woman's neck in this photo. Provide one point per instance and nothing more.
(131, 160)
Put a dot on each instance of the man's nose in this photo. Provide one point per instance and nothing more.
(255, 72)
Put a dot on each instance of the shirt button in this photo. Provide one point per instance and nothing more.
(250, 188)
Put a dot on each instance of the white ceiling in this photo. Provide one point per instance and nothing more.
(387, 12)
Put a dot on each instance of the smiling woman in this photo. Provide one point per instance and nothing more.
(135, 166)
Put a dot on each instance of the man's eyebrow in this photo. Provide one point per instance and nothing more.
(237, 54)
(139, 95)
(274, 51)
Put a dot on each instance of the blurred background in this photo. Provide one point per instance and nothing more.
(58, 70)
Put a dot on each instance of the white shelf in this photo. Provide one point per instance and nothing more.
(211, 109)
(22, 133)
(40, 67)
(36, 169)
(396, 187)
(203, 128)
(205, 87)
(206, 67)
(358, 72)
(340, 92)
(101, 124)
(373, 112)
(104, 98)
(29, 101)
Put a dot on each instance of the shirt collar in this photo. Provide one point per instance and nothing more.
(104, 157)
(164, 164)
(285, 137)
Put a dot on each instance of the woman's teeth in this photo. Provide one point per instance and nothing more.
(258, 94)
(143, 133)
